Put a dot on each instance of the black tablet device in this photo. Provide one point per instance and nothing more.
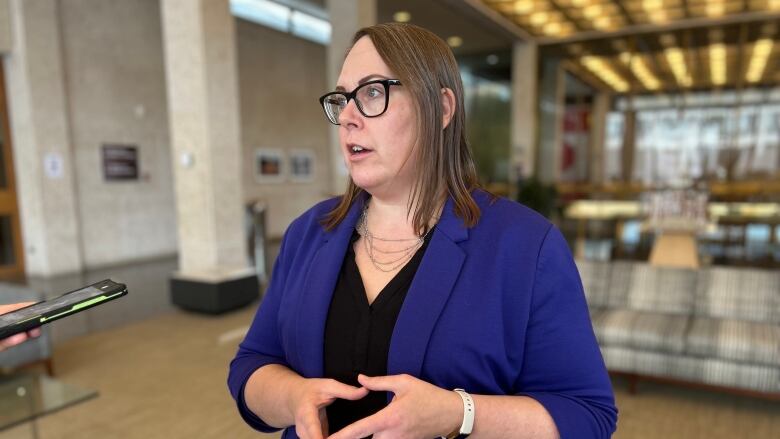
(32, 316)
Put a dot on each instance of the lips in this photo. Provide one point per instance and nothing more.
(357, 150)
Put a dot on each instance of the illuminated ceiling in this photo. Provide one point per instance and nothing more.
(648, 46)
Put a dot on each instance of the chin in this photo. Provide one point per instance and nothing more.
(366, 182)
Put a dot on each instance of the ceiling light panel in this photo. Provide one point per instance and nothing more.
(612, 15)
(600, 67)
(715, 8)
(772, 5)
(760, 55)
(718, 60)
(676, 59)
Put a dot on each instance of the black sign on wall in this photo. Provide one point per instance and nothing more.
(120, 162)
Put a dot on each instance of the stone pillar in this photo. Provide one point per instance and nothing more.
(524, 119)
(347, 16)
(41, 139)
(598, 126)
(629, 146)
(551, 110)
(5, 26)
(202, 84)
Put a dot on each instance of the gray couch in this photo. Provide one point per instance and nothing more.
(33, 351)
(715, 326)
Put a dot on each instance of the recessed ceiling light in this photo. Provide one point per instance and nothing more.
(524, 6)
(592, 11)
(602, 22)
(715, 9)
(553, 28)
(658, 15)
(539, 18)
(402, 16)
(492, 59)
(455, 41)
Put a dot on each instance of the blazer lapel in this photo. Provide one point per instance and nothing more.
(317, 293)
(428, 293)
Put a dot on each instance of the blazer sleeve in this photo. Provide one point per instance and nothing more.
(262, 344)
(563, 368)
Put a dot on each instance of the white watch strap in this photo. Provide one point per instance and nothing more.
(468, 412)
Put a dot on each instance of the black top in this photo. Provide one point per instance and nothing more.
(357, 335)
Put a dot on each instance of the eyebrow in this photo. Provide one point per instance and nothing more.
(363, 80)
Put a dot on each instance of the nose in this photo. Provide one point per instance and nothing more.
(350, 116)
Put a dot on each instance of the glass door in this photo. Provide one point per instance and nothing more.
(11, 258)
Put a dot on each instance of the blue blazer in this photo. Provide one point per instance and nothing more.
(495, 309)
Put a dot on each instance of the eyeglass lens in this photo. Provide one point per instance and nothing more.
(370, 99)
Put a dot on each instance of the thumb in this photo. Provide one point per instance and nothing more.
(345, 391)
(387, 383)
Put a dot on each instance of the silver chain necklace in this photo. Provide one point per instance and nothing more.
(394, 264)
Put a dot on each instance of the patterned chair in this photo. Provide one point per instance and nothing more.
(736, 328)
(33, 351)
(716, 326)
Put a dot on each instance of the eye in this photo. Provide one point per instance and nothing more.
(374, 91)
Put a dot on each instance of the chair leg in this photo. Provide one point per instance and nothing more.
(633, 384)
(49, 363)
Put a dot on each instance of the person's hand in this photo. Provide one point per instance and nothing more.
(418, 410)
(22, 336)
(308, 404)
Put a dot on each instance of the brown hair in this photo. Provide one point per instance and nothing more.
(425, 64)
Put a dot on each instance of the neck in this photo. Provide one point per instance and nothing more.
(391, 216)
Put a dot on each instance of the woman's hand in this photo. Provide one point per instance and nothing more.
(309, 400)
(418, 410)
(21, 337)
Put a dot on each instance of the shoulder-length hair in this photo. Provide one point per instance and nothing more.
(425, 64)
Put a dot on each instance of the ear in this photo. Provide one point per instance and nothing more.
(448, 104)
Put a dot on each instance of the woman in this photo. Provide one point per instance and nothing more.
(21, 337)
(416, 283)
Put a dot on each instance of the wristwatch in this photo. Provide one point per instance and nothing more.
(468, 417)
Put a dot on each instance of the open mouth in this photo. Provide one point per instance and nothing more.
(358, 150)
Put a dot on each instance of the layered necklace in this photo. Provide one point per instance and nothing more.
(391, 260)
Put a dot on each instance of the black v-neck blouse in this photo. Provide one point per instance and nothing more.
(357, 335)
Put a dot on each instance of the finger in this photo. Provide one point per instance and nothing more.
(310, 426)
(364, 427)
(14, 306)
(345, 391)
(324, 427)
(391, 383)
(34, 333)
(13, 340)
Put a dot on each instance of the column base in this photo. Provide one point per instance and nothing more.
(214, 296)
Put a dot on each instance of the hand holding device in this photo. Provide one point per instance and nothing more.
(21, 337)
(32, 315)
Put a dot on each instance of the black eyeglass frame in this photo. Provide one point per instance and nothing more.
(351, 95)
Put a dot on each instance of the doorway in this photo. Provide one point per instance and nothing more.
(11, 256)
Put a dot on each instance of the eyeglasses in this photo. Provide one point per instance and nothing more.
(371, 99)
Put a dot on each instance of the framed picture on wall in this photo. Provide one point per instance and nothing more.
(120, 162)
(269, 165)
(301, 165)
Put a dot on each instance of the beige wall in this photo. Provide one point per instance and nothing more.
(115, 81)
(280, 79)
